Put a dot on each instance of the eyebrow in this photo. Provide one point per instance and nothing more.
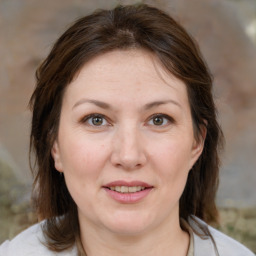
(158, 103)
(105, 105)
(98, 103)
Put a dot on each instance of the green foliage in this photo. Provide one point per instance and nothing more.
(240, 224)
(15, 211)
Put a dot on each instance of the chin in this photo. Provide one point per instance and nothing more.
(127, 230)
(128, 225)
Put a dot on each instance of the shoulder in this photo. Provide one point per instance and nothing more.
(225, 244)
(28, 243)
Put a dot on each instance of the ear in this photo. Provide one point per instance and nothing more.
(55, 152)
(198, 145)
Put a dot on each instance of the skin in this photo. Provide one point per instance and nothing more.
(128, 144)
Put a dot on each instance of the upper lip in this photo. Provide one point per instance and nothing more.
(128, 184)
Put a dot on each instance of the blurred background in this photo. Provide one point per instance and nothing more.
(226, 33)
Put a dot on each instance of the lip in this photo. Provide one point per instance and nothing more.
(128, 198)
(128, 183)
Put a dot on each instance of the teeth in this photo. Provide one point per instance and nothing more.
(132, 189)
(125, 189)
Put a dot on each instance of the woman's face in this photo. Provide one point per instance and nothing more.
(126, 143)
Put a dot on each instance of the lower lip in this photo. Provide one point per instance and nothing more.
(128, 198)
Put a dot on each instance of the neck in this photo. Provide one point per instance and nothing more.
(164, 240)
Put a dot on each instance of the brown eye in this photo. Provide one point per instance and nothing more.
(158, 120)
(97, 120)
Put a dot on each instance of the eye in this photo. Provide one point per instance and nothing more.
(160, 120)
(95, 120)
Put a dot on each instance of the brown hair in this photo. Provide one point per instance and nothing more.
(125, 27)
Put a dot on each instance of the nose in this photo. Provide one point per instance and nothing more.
(128, 149)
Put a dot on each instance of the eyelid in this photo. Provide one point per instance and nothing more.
(169, 118)
(87, 117)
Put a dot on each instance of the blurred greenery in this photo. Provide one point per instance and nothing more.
(15, 211)
(240, 224)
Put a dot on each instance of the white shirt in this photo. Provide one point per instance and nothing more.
(31, 243)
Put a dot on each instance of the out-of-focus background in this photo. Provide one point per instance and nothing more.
(226, 33)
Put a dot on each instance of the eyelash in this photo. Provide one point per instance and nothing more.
(91, 116)
(163, 116)
(151, 118)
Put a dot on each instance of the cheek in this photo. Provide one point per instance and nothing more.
(82, 157)
(172, 156)
(171, 162)
(82, 166)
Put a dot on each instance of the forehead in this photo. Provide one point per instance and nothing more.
(126, 73)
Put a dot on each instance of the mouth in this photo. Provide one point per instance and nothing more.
(128, 192)
(121, 186)
(126, 189)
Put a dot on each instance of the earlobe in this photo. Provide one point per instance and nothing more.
(55, 152)
(198, 145)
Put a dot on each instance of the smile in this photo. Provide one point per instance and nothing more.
(126, 189)
(128, 192)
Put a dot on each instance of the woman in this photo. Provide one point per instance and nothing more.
(126, 141)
